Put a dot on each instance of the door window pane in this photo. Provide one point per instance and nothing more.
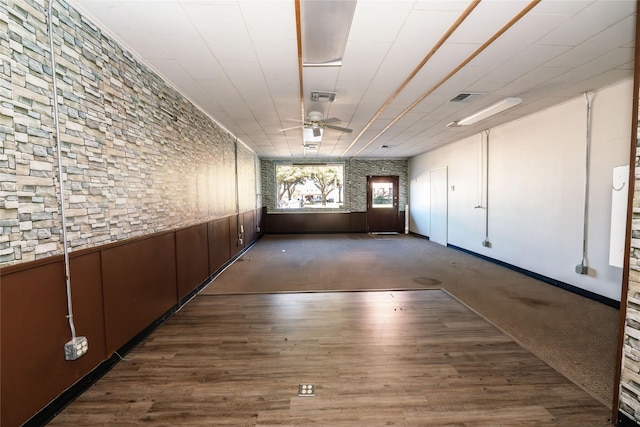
(382, 195)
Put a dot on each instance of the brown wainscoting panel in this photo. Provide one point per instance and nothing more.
(139, 280)
(358, 222)
(34, 329)
(261, 215)
(88, 303)
(234, 247)
(309, 222)
(249, 227)
(192, 258)
(219, 251)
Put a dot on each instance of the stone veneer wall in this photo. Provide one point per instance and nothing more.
(630, 375)
(138, 157)
(356, 172)
(360, 169)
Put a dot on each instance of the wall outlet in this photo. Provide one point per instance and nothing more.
(486, 243)
(76, 348)
(582, 269)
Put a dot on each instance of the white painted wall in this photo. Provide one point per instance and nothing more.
(536, 189)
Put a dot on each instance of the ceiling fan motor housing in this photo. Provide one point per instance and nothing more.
(315, 116)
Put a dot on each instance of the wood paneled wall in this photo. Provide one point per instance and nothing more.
(118, 290)
(139, 285)
(321, 222)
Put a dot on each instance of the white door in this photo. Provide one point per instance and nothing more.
(438, 210)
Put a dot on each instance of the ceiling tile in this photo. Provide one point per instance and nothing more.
(221, 25)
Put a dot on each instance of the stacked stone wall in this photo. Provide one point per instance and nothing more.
(360, 169)
(630, 375)
(138, 157)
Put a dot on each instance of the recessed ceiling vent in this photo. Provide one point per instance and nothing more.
(323, 96)
(465, 96)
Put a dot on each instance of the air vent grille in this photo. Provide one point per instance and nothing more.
(323, 96)
(465, 96)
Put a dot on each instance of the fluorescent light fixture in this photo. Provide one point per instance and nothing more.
(336, 63)
(325, 30)
(491, 110)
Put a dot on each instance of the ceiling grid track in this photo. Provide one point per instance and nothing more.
(486, 44)
(465, 14)
(300, 61)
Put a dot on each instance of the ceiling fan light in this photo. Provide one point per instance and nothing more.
(491, 110)
(314, 116)
(310, 136)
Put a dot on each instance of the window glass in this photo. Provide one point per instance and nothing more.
(382, 194)
(310, 186)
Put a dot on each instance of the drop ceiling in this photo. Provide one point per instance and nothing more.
(239, 61)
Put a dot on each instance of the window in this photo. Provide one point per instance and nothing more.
(310, 186)
(382, 195)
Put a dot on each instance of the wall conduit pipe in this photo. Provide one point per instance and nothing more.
(239, 225)
(582, 268)
(486, 191)
(483, 189)
(63, 215)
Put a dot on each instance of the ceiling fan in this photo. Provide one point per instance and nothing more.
(314, 121)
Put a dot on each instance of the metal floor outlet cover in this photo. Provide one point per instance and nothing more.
(306, 390)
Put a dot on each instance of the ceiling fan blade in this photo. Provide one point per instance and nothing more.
(332, 120)
(293, 127)
(316, 131)
(339, 128)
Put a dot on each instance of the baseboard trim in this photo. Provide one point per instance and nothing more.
(57, 405)
(571, 288)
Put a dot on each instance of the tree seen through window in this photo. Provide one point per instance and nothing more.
(309, 186)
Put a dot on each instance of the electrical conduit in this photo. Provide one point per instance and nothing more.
(60, 176)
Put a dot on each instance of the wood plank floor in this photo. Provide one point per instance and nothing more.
(576, 335)
(402, 358)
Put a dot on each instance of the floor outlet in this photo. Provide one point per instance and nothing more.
(76, 348)
(306, 390)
